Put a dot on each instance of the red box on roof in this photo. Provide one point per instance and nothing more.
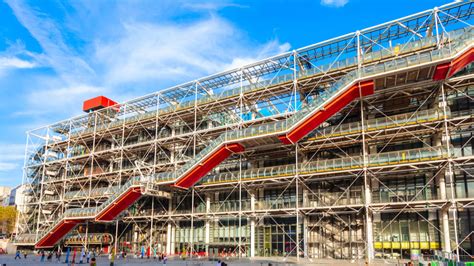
(97, 103)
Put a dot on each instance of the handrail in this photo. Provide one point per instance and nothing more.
(338, 87)
(329, 165)
(322, 69)
(91, 212)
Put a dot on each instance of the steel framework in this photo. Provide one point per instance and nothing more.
(357, 147)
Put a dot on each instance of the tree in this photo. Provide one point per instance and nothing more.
(7, 219)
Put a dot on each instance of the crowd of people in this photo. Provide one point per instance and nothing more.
(84, 257)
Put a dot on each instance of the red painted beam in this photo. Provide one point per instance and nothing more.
(121, 204)
(58, 232)
(205, 167)
(367, 88)
(460, 62)
(441, 71)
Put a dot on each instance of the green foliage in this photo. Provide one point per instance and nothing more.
(8, 218)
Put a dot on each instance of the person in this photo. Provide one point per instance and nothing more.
(50, 256)
(88, 256)
(93, 263)
(25, 254)
(81, 260)
(56, 254)
(165, 259)
(17, 255)
(42, 256)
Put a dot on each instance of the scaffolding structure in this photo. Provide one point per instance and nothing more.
(358, 147)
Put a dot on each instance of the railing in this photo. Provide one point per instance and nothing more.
(103, 191)
(337, 88)
(280, 126)
(337, 65)
(400, 120)
(90, 212)
(92, 238)
(276, 204)
(458, 41)
(333, 198)
(25, 238)
(132, 182)
(230, 205)
(340, 164)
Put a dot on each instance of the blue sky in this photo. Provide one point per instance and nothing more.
(56, 54)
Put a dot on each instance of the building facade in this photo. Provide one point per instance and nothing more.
(352, 148)
(4, 195)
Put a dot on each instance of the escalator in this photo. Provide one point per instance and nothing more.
(120, 200)
(357, 83)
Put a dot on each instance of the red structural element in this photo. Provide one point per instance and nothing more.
(58, 232)
(441, 71)
(205, 167)
(367, 88)
(447, 70)
(98, 102)
(462, 61)
(122, 203)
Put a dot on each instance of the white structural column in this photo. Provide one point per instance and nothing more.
(367, 149)
(305, 236)
(252, 224)
(173, 237)
(444, 212)
(135, 238)
(207, 225)
(305, 219)
(168, 239)
(169, 250)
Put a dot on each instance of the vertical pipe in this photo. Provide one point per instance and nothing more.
(207, 229)
(195, 118)
(450, 170)
(86, 242)
(240, 176)
(435, 16)
(116, 238)
(295, 87)
(151, 223)
(38, 220)
(191, 233)
(367, 191)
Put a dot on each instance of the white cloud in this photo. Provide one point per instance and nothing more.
(120, 50)
(5, 167)
(178, 51)
(210, 6)
(10, 152)
(48, 33)
(66, 100)
(334, 3)
(134, 56)
(13, 62)
(269, 49)
(17, 57)
(11, 156)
